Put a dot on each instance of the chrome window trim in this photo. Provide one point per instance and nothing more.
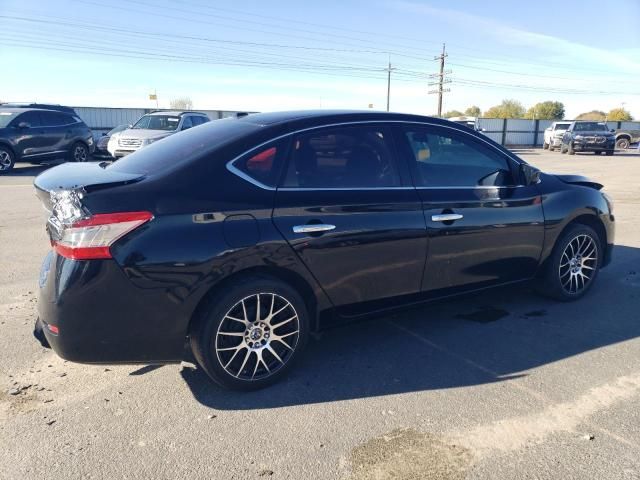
(258, 184)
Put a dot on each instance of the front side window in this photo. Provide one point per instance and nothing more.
(30, 118)
(443, 158)
(187, 123)
(350, 157)
(157, 122)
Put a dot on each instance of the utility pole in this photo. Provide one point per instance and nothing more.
(441, 80)
(389, 83)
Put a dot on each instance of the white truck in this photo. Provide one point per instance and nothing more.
(553, 135)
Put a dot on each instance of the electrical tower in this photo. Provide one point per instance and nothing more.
(441, 80)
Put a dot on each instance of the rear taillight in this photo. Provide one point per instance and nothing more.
(91, 238)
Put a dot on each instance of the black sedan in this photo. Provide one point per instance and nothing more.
(235, 239)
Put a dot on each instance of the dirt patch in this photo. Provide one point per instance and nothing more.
(406, 454)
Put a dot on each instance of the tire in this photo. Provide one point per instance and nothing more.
(7, 159)
(560, 278)
(597, 152)
(622, 143)
(570, 149)
(545, 146)
(562, 149)
(230, 315)
(551, 147)
(79, 153)
(609, 153)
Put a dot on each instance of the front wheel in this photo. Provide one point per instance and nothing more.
(570, 149)
(609, 153)
(573, 266)
(251, 333)
(563, 150)
(79, 152)
(545, 145)
(7, 160)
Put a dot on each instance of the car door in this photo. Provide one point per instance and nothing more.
(346, 207)
(30, 140)
(54, 135)
(484, 227)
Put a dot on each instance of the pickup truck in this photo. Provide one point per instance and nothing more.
(553, 135)
(625, 137)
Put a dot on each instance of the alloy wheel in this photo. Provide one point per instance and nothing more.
(257, 336)
(578, 264)
(80, 153)
(5, 160)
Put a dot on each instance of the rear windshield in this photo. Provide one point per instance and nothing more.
(562, 126)
(182, 147)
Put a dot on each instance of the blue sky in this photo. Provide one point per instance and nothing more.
(275, 55)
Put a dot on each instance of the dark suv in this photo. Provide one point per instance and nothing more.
(239, 237)
(41, 134)
(593, 137)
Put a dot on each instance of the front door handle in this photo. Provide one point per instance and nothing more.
(446, 217)
(313, 228)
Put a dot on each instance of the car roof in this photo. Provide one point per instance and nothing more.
(29, 109)
(177, 113)
(328, 116)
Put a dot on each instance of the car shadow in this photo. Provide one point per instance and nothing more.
(478, 339)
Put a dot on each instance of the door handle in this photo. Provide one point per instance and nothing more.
(313, 228)
(446, 217)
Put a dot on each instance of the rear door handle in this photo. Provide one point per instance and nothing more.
(313, 228)
(446, 217)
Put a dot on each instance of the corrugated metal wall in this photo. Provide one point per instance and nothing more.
(521, 132)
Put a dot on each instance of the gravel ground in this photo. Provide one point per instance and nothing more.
(546, 391)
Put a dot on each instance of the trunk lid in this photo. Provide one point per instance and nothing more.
(79, 177)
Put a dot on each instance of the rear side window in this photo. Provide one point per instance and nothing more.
(198, 120)
(187, 123)
(444, 158)
(264, 164)
(55, 119)
(351, 157)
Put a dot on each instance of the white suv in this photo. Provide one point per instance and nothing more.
(151, 128)
(553, 135)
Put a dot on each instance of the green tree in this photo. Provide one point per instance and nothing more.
(452, 113)
(619, 115)
(473, 111)
(592, 115)
(546, 111)
(507, 109)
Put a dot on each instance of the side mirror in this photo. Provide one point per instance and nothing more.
(24, 125)
(613, 130)
(529, 174)
(130, 125)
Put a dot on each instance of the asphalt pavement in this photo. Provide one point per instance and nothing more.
(499, 385)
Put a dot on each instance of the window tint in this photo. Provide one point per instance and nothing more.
(352, 157)
(263, 165)
(186, 122)
(55, 119)
(198, 120)
(449, 159)
(32, 118)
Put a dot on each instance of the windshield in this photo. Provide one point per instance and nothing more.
(157, 122)
(590, 127)
(562, 126)
(119, 128)
(6, 117)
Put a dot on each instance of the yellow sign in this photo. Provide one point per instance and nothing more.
(153, 96)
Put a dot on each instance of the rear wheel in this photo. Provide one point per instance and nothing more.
(251, 333)
(7, 160)
(623, 143)
(573, 266)
(79, 152)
